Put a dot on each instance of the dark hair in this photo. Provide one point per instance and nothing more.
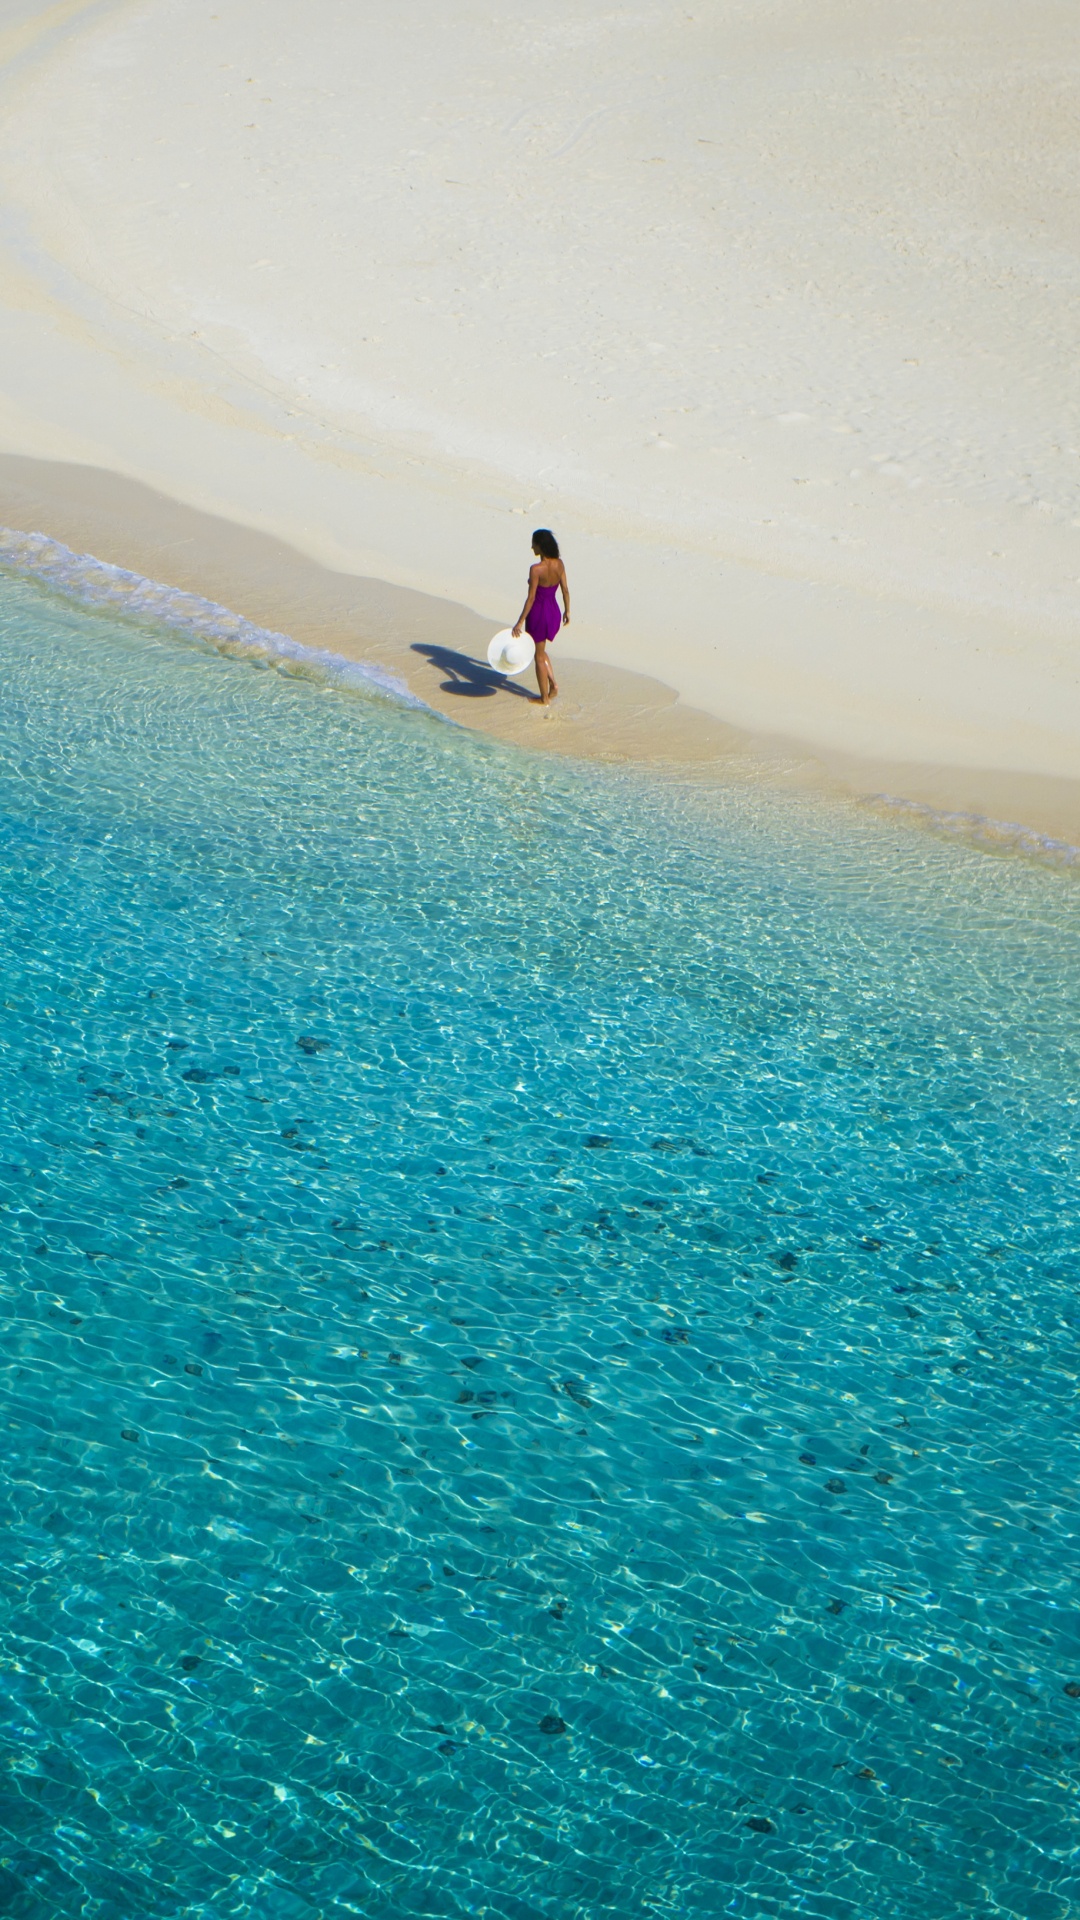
(545, 543)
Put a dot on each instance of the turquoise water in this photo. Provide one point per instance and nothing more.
(541, 1325)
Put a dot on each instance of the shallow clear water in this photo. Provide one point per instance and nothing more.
(541, 1330)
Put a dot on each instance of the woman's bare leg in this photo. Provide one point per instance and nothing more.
(545, 679)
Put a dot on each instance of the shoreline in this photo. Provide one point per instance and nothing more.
(803, 415)
(436, 649)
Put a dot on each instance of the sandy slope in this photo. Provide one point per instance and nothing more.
(769, 306)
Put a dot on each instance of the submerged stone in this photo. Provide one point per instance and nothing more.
(575, 1390)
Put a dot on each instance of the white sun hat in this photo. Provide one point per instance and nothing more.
(508, 655)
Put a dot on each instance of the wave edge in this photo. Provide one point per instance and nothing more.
(102, 587)
(983, 831)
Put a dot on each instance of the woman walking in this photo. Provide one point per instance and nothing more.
(540, 615)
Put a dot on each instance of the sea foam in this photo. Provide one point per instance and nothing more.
(982, 831)
(98, 585)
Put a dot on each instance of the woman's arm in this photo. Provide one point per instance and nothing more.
(565, 595)
(527, 608)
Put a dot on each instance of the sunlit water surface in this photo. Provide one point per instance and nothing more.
(541, 1325)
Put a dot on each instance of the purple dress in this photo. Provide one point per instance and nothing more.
(544, 618)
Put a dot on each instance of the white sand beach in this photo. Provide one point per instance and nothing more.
(769, 307)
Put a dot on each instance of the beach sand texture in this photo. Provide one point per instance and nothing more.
(770, 309)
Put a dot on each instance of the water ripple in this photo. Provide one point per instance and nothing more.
(541, 1329)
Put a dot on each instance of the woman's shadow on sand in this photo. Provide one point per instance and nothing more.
(469, 679)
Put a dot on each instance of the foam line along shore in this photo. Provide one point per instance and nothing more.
(435, 649)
